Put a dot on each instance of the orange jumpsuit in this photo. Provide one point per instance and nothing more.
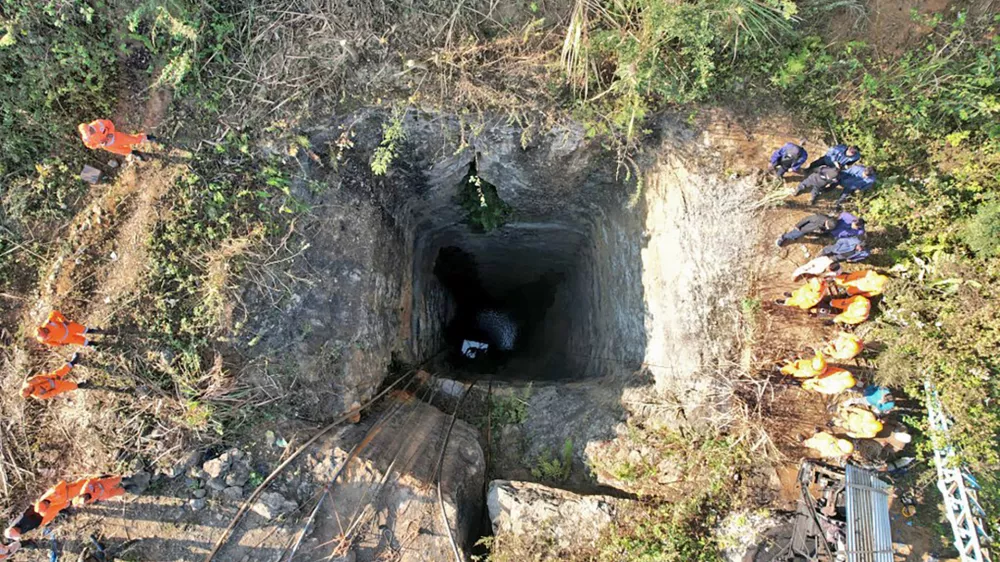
(833, 381)
(829, 446)
(806, 368)
(58, 498)
(845, 346)
(859, 422)
(102, 134)
(808, 295)
(100, 489)
(50, 385)
(867, 283)
(59, 331)
(855, 309)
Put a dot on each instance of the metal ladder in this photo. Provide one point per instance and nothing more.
(958, 488)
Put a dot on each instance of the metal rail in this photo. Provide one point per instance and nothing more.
(957, 487)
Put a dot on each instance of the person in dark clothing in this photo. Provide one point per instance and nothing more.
(848, 226)
(846, 249)
(856, 178)
(819, 181)
(813, 224)
(839, 156)
(789, 157)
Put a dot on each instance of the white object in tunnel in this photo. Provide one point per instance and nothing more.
(472, 349)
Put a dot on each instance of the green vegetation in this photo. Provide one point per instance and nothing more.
(393, 136)
(681, 529)
(552, 468)
(655, 53)
(486, 210)
(509, 407)
(57, 63)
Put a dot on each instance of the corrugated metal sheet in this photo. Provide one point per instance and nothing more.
(869, 538)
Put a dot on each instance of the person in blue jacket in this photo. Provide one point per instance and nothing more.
(839, 156)
(856, 178)
(848, 249)
(848, 226)
(789, 157)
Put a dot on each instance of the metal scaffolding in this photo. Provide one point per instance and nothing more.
(958, 488)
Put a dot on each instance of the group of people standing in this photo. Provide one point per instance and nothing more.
(836, 296)
(58, 331)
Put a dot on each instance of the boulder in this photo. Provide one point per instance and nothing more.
(137, 483)
(538, 519)
(238, 475)
(217, 484)
(186, 462)
(215, 468)
(233, 493)
(272, 504)
(405, 505)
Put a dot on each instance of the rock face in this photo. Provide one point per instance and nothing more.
(394, 473)
(543, 522)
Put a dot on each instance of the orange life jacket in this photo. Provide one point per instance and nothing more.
(868, 283)
(102, 134)
(829, 446)
(833, 381)
(50, 385)
(806, 368)
(808, 295)
(855, 309)
(845, 346)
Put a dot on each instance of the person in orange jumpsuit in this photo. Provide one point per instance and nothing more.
(868, 283)
(50, 385)
(56, 499)
(844, 347)
(855, 309)
(834, 381)
(806, 296)
(57, 330)
(806, 368)
(102, 134)
(100, 489)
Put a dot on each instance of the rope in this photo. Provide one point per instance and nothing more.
(437, 474)
(267, 481)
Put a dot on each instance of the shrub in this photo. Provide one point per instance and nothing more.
(57, 60)
(982, 232)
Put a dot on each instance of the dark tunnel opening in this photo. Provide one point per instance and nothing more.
(498, 325)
